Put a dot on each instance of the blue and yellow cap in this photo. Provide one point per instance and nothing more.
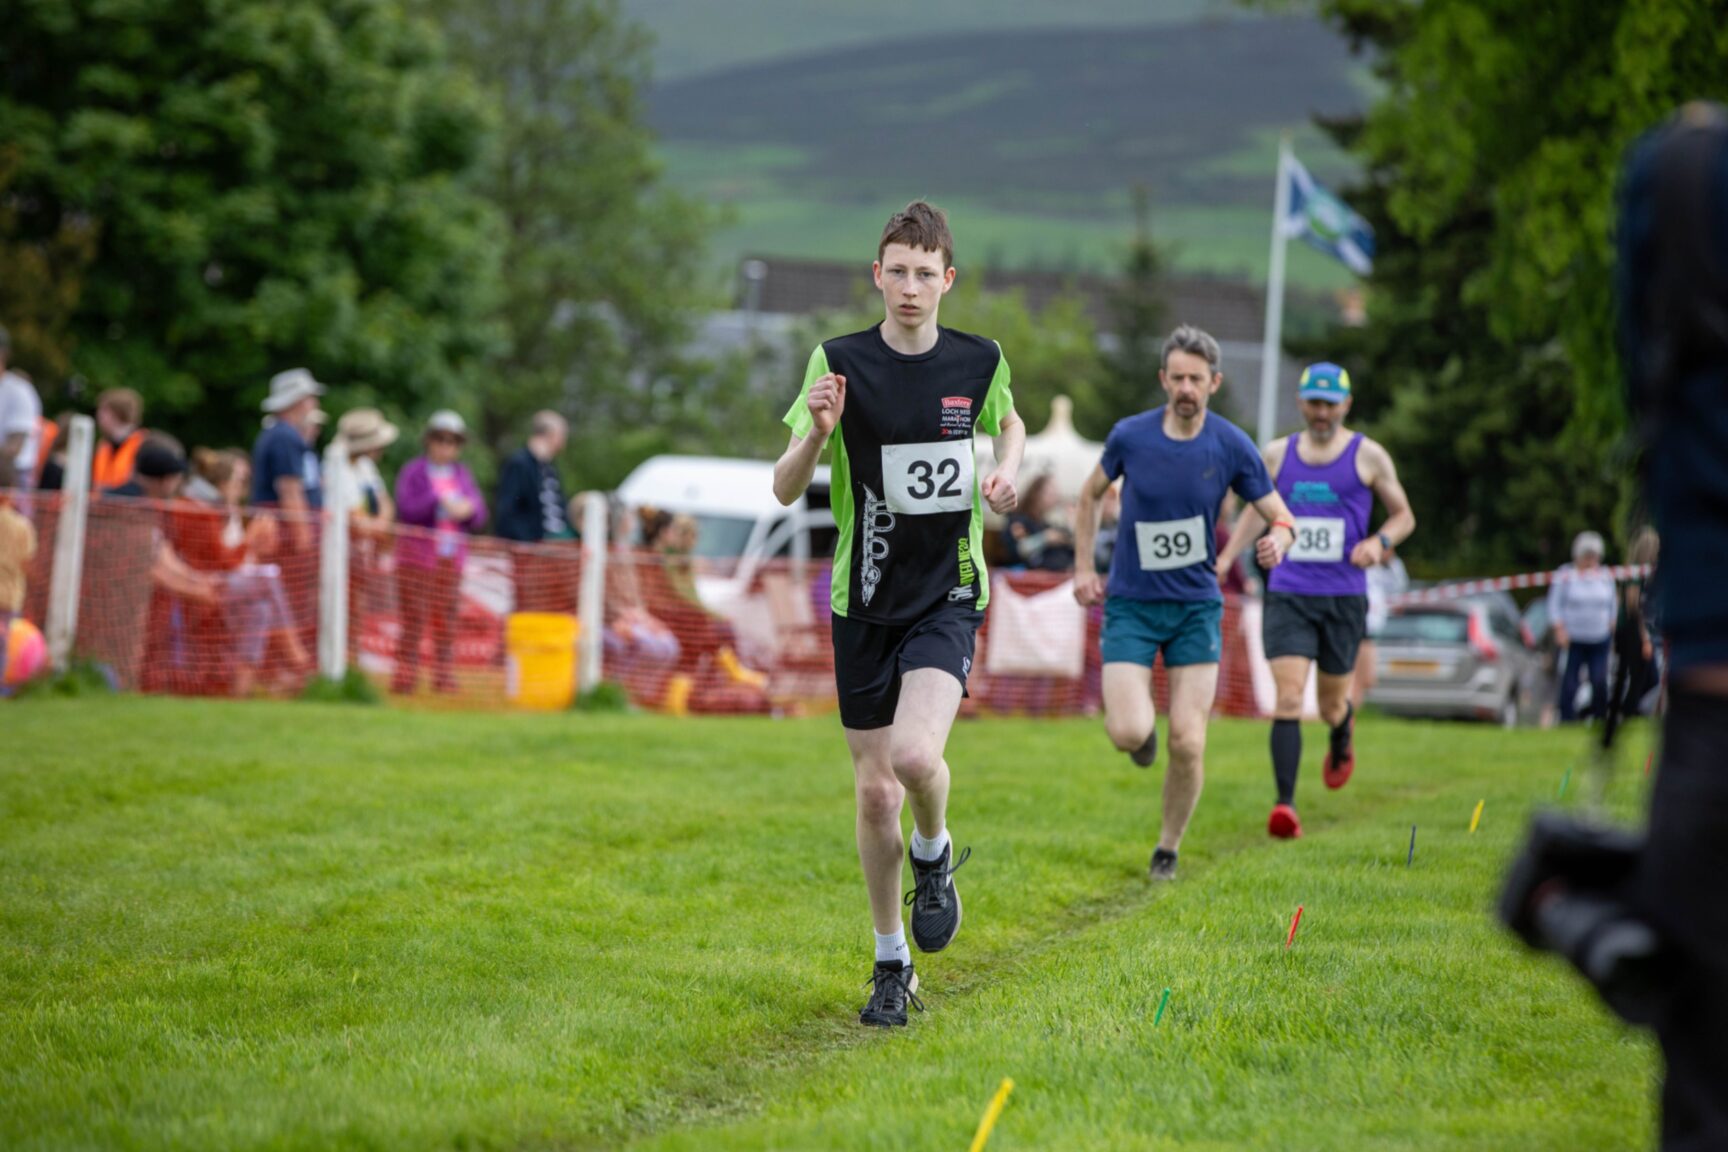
(1324, 381)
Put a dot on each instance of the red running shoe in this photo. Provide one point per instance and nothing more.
(1284, 824)
(1337, 773)
(1336, 770)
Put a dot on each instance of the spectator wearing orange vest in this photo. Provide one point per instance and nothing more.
(119, 412)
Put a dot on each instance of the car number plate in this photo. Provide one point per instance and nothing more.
(1413, 667)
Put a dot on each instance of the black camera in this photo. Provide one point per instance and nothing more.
(1571, 892)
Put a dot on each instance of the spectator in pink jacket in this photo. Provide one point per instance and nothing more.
(439, 502)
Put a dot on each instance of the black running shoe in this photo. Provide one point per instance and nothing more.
(892, 986)
(935, 901)
(1147, 754)
(1163, 865)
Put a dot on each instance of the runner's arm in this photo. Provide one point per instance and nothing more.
(1010, 447)
(1400, 518)
(1250, 524)
(797, 466)
(1088, 586)
(1272, 547)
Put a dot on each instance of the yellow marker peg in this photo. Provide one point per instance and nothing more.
(1476, 816)
(990, 1114)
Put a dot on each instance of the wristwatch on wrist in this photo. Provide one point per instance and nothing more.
(1385, 542)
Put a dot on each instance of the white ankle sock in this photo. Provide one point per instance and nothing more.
(928, 850)
(889, 948)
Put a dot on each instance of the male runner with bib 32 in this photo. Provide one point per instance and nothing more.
(909, 585)
(1317, 603)
(1178, 461)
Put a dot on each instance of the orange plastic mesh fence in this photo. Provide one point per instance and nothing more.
(680, 638)
(429, 615)
(183, 598)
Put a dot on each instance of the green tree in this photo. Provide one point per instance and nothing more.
(213, 190)
(1488, 363)
(603, 268)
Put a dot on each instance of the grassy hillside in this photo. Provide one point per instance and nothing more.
(1039, 135)
(696, 36)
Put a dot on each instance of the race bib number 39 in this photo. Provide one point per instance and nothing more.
(922, 479)
(1319, 540)
(1168, 544)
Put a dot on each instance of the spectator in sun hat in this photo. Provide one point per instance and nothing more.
(436, 493)
(285, 470)
(286, 476)
(1581, 606)
(366, 433)
(371, 510)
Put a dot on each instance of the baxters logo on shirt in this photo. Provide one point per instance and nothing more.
(956, 416)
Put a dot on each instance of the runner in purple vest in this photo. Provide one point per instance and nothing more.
(1317, 604)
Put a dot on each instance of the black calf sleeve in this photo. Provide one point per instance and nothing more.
(1286, 757)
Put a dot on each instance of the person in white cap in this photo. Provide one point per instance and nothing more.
(1581, 609)
(286, 476)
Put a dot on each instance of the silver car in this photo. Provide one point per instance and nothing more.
(1465, 659)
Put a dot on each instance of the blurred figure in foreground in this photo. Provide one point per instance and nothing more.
(1642, 917)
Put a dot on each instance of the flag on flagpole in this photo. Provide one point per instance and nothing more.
(1326, 222)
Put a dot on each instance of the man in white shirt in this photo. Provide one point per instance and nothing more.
(20, 417)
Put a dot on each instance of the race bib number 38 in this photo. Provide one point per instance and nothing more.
(1168, 544)
(922, 479)
(1319, 540)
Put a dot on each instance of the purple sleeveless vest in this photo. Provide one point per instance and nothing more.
(1331, 506)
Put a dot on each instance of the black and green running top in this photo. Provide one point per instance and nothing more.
(905, 484)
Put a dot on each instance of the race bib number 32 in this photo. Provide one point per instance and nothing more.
(1319, 540)
(1168, 544)
(922, 479)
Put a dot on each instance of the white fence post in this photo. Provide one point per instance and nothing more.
(333, 563)
(68, 579)
(591, 605)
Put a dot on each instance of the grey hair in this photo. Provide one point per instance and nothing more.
(1192, 340)
(1587, 542)
(546, 422)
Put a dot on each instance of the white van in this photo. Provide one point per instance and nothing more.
(738, 519)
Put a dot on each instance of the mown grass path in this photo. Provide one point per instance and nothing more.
(277, 926)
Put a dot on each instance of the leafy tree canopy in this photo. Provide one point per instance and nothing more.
(209, 191)
(1488, 364)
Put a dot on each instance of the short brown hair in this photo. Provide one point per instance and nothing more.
(919, 225)
(127, 405)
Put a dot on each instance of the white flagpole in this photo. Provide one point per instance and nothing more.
(1274, 329)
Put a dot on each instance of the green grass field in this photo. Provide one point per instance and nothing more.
(235, 926)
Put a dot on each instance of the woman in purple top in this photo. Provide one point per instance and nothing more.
(435, 493)
(1316, 607)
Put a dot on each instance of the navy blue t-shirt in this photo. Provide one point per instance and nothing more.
(1165, 548)
(282, 451)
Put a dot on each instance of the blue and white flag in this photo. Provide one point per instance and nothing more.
(1326, 222)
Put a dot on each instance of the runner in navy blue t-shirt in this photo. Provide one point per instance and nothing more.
(1176, 463)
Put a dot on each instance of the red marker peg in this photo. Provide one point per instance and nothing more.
(1294, 920)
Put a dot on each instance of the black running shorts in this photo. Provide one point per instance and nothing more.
(1326, 629)
(870, 659)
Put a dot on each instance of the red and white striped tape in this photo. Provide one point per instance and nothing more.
(1503, 583)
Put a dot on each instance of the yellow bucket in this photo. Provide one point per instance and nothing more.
(540, 660)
